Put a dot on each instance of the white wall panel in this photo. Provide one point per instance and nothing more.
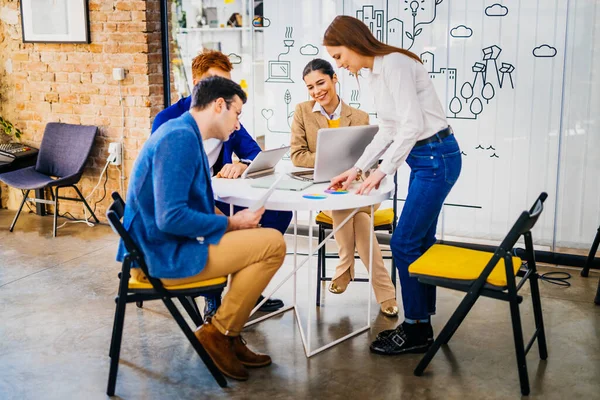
(517, 105)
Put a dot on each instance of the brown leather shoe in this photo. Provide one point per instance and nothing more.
(220, 348)
(247, 356)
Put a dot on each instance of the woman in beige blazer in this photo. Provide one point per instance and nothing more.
(327, 110)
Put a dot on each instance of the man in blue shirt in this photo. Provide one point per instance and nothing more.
(220, 154)
(171, 215)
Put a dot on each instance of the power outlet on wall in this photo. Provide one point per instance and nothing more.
(114, 153)
(118, 74)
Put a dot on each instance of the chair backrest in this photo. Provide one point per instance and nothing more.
(65, 149)
(115, 213)
(118, 205)
(524, 223)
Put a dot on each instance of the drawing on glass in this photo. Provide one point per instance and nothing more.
(354, 99)
(268, 113)
(408, 24)
(488, 78)
(309, 50)
(234, 58)
(461, 32)
(279, 71)
(544, 51)
(496, 10)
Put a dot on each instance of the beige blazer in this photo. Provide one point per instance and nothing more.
(306, 124)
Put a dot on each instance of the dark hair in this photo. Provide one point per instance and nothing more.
(354, 34)
(318, 64)
(213, 88)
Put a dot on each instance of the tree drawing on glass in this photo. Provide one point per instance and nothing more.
(455, 106)
(268, 113)
(415, 7)
(488, 77)
(488, 92)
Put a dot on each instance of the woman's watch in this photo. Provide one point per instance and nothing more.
(359, 173)
(246, 162)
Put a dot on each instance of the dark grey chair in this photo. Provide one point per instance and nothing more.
(64, 150)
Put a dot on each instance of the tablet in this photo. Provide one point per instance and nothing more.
(265, 162)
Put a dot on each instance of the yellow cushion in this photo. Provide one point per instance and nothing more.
(450, 262)
(333, 123)
(135, 284)
(382, 217)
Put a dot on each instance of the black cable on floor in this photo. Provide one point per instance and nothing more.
(68, 216)
(559, 278)
(103, 194)
(556, 278)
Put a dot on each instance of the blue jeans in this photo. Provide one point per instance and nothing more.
(279, 220)
(435, 167)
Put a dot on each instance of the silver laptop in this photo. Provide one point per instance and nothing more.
(264, 163)
(338, 149)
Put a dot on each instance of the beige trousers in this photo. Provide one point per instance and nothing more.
(252, 257)
(356, 233)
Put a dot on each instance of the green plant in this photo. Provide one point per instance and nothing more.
(9, 129)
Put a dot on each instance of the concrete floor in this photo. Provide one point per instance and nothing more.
(56, 310)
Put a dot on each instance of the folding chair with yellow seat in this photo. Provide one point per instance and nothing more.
(133, 291)
(384, 220)
(491, 275)
(590, 261)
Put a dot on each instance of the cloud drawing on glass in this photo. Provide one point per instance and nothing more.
(309, 50)
(544, 50)
(461, 32)
(496, 10)
(234, 58)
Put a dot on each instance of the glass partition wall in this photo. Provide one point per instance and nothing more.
(519, 80)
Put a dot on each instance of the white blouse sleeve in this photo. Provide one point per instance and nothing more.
(398, 131)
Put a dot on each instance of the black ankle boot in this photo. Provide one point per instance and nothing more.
(406, 338)
(388, 332)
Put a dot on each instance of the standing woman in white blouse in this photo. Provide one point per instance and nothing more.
(413, 128)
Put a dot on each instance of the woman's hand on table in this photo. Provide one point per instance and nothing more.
(344, 180)
(372, 182)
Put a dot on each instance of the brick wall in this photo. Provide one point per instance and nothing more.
(72, 83)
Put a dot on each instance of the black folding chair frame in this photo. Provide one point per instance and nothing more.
(510, 294)
(126, 295)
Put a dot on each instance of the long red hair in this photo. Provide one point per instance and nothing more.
(354, 34)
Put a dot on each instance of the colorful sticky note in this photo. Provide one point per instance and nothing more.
(336, 191)
(314, 196)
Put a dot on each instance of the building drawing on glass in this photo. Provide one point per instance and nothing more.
(393, 30)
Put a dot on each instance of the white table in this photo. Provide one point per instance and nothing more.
(238, 192)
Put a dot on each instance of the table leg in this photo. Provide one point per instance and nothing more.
(307, 337)
(309, 280)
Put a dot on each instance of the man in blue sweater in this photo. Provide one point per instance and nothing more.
(171, 215)
(220, 154)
